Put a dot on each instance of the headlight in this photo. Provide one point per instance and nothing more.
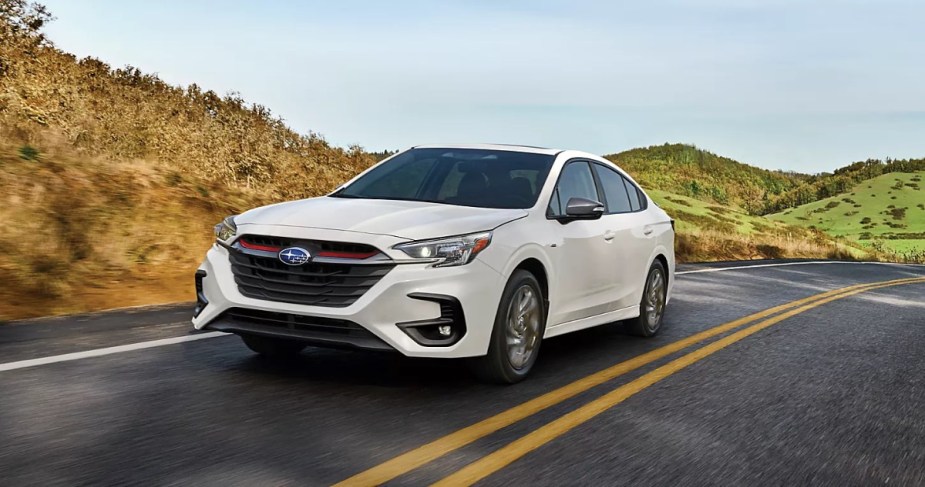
(226, 230)
(451, 251)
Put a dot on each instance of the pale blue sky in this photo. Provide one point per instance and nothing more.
(782, 84)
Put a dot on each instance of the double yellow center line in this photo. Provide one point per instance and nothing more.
(493, 462)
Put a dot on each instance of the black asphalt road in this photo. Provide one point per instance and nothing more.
(832, 396)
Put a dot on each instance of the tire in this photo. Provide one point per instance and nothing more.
(652, 304)
(272, 347)
(517, 333)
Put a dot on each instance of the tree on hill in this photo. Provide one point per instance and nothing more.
(840, 181)
(21, 19)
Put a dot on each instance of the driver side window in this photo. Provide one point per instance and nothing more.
(575, 181)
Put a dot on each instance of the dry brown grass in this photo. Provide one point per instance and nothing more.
(111, 179)
(711, 245)
(125, 114)
(89, 234)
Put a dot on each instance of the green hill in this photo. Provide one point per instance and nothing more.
(710, 231)
(688, 171)
(826, 185)
(695, 173)
(886, 212)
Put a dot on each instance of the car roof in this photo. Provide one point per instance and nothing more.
(504, 147)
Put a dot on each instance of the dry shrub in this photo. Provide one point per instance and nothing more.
(770, 251)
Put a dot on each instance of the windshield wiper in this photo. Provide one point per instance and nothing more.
(384, 198)
(341, 194)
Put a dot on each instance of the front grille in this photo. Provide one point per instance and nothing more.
(317, 284)
(317, 245)
(313, 329)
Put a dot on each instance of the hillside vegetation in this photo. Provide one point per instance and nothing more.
(112, 179)
(696, 173)
(717, 203)
(49, 96)
(688, 171)
(826, 185)
(709, 231)
(886, 213)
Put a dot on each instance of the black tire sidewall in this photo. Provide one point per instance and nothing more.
(497, 350)
(643, 319)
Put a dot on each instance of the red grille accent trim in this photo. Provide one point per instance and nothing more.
(253, 246)
(347, 255)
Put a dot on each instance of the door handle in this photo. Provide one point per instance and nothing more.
(647, 230)
(609, 235)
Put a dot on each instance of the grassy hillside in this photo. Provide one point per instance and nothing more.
(826, 185)
(83, 234)
(49, 97)
(884, 213)
(709, 231)
(112, 179)
(695, 173)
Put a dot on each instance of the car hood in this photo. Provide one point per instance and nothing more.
(413, 220)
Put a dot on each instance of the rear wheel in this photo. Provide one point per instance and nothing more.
(517, 333)
(652, 306)
(272, 347)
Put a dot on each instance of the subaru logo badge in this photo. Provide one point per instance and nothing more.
(294, 256)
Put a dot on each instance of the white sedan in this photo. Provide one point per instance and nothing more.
(475, 251)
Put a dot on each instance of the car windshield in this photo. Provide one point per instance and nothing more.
(466, 177)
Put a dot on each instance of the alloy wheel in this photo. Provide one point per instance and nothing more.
(655, 299)
(523, 326)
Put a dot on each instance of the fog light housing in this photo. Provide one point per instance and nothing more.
(201, 301)
(444, 331)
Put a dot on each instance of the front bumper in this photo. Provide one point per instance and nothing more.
(395, 300)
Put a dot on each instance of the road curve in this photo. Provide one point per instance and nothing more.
(823, 389)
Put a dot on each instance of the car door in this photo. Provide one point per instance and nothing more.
(626, 227)
(584, 286)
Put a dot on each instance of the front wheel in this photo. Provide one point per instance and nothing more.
(517, 333)
(652, 306)
(272, 347)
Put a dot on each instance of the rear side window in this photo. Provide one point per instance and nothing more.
(634, 196)
(614, 185)
(576, 181)
(632, 188)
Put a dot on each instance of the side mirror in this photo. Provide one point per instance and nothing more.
(583, 209)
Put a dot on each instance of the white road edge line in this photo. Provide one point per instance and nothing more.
(783, 264)
(22, 364)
